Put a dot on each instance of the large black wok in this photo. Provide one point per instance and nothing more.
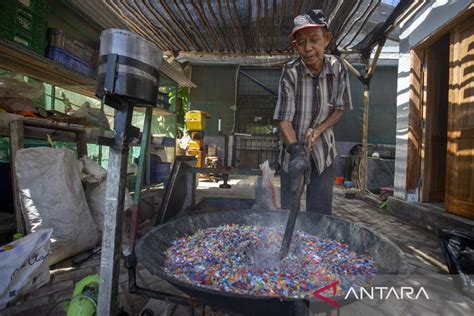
(152, 246)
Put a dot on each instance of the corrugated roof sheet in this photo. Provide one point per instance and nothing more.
(248, 28)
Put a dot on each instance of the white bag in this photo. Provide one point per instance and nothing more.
(96, 183)
(268, 197)
(24, 268)
(51, 196)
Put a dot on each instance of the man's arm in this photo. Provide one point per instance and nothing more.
(287, 133)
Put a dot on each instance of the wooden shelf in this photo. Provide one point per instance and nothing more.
(36, 128)
(156, 111)
(18, 59)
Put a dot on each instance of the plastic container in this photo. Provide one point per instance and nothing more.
(159, 172)
(24, 19)
(168, 142)
(24, 22)
(339, 180)
(68, 60)
(31, 4)
(59, 38)
(196, 120)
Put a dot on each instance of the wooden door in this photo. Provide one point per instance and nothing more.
(435, 113)
(414, 128)
(460, 159)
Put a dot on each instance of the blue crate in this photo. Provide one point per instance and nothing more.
(68, 60)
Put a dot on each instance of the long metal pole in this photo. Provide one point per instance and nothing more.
(140, 175)
(114, 198)
(101, 131)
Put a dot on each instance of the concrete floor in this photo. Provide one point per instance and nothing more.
(420, 246)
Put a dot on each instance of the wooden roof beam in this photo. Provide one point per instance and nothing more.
(235, 28)
(265, 24)
(202, 16)
(165, 25)
(151, 27)
(272, 26)
(196, 29)
(257, 26)
(182, 28)
(249, 21)
(228, 42)
(280, 22)
(131, 24)
(236, 12)
(235, 44)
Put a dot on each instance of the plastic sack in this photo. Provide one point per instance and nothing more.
(91, 171)
(24, 268)
(457, 247)
(95, 194)
(13, 85)
(267, 198)
(52, 196)
(13, 105)
(184, 141)
(94, 115)
(96, 184)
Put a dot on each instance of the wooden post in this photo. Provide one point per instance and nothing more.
(81, 144)
(354, 71)
(16, 142)
(113, 217)
(365, 136)
(369, 70)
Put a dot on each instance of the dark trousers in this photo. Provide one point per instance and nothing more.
(318, 192)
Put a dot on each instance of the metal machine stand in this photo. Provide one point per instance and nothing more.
(113, 217)
(128, 76)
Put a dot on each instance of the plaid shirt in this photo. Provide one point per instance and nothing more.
(304, 98)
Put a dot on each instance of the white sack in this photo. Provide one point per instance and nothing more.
(51, 196)
(96, 183)
(268, 197)
(24, 268)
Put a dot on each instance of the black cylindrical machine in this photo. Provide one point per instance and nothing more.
(128, 68)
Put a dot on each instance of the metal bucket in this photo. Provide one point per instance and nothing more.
(128, 67)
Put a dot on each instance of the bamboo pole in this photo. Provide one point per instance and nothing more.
(365, 136)
(374, 61)
(369, 70)
(353, 70)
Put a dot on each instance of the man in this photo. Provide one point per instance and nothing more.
(313, 94)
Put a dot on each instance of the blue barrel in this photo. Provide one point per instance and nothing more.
(159, 172)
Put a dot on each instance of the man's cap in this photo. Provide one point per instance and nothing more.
(311, 18)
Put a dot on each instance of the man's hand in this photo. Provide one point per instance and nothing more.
(299, 165)
(312, 135)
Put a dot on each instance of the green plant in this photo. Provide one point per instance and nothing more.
(182, 106)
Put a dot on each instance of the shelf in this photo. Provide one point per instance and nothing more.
(18, 59)
(36, 128)
(156, 111)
